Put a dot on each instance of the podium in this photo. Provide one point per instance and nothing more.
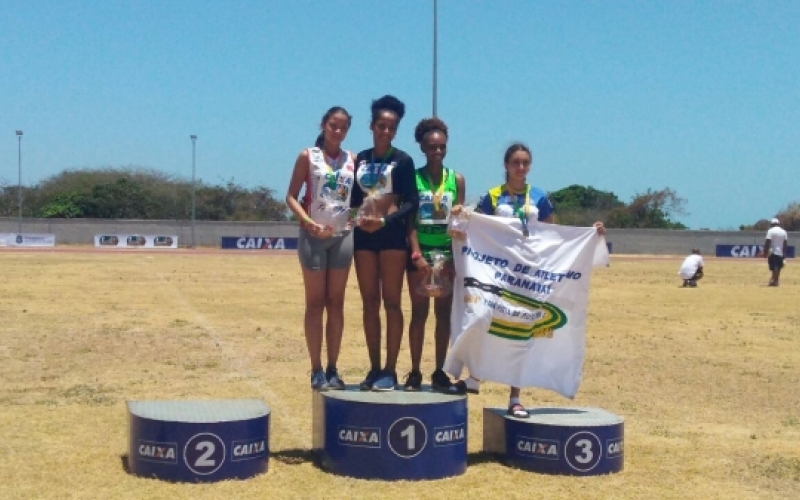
(569, 441)
(390, 435)
(198, 441)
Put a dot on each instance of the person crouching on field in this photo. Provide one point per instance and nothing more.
(691, 269)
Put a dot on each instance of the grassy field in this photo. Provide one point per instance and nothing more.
(707, 379)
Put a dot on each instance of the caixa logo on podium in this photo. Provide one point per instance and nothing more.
(154, 451)
(366, 437)
(547, 449)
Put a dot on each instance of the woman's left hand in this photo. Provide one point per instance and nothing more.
(601, 228)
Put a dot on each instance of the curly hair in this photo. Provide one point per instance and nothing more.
(428, 125)
(387, 103)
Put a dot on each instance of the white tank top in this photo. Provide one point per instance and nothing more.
(330, 188)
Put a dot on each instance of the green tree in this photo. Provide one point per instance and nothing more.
(789, 217)
(578, 205)
(139, 193)
(651, 209)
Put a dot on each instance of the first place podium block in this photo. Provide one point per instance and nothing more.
(569, 441)
(391, 435)
(198, 441)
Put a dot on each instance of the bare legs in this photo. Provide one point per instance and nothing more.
(380, 280)
(325, 291)
(420, 307)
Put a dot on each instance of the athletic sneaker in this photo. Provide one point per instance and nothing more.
(413, 381)
(318, 381)
(372, 376)
(335, 382)
(386, 383)
(440, 382)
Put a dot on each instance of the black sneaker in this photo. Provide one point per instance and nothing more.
(413, 381)
(335, 382)
(440, 382)
(372, 376)
(318, 381)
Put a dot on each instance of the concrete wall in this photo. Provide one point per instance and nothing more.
(663, 242)
(209, 234)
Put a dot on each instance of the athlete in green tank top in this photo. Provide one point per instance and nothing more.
(433, 215)
(439, 190)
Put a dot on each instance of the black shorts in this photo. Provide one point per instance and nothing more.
(775, 262)
(390, 237)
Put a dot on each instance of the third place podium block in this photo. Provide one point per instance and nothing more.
(570, 441)
(391, 435)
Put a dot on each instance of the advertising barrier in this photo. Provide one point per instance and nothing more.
(27, 240)
(743, 251)
(135, 241)
(258, 243)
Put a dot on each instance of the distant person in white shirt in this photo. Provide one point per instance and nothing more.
(692, 268)
(775, 250)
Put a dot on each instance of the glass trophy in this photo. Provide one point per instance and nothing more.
(369, 208)
(439, 283)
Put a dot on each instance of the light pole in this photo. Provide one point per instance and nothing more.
(19, 180)
(194, 186)
(435, 55)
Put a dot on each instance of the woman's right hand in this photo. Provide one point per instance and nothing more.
(318, 230)
(370, 224)
(423, 267)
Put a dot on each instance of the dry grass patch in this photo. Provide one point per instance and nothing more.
(706, 378)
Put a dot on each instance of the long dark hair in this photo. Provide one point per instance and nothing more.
(336, 109)
(517, 146)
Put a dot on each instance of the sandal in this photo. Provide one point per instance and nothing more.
(518, 411)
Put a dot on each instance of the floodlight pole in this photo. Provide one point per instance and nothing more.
(435, 54)
(19, 179)
(194, 185)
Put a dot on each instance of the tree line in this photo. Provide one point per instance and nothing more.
(139, 193)
(146, 194)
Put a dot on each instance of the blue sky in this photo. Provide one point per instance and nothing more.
(699, 96)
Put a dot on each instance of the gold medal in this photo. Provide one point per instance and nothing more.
(437, 195)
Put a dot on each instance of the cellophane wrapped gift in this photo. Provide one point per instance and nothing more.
(457, 227)
(439, 283)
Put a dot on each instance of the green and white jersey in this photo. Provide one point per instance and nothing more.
(433, 215)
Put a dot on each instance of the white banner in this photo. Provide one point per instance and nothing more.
(27, 240)
(135, 241)
(519, 304)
